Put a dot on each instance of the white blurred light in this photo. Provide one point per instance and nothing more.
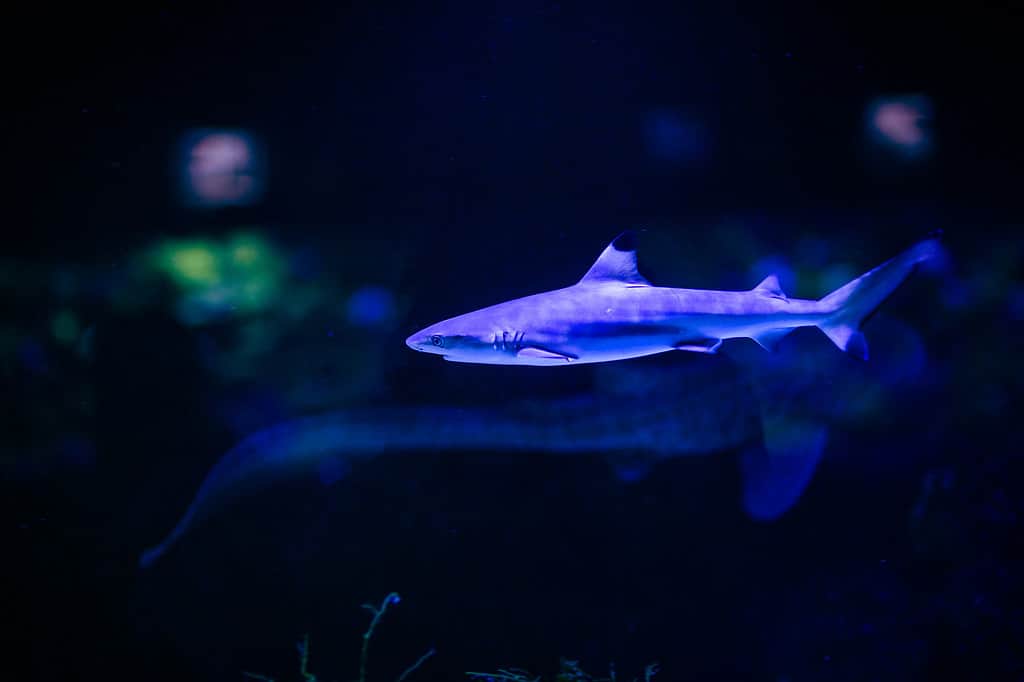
(221, 168)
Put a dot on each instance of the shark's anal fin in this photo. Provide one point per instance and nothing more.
(532, 352)
(705, 345)
(769, 340)
(617, 263)
(775, 477)
(848, 338)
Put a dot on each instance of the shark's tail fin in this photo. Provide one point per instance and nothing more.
(774, 478)
(847, 306)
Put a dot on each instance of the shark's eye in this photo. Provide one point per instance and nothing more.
(437, 340)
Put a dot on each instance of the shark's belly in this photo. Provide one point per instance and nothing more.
(601, 341)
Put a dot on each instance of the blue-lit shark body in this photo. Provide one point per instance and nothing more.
(613, 313)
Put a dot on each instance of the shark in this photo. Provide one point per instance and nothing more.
(614, 313)
(634, 418)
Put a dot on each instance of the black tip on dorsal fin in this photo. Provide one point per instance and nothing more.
(617, 263)
(625, 241)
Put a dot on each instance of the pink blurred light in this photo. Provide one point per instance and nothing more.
(901, 124)
(221, 168)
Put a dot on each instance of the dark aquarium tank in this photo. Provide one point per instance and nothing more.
(512, 341)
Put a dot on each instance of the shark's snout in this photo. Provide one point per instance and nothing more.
(415, 341)
(423, 342)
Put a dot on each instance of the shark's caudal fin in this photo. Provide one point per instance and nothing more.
(851, 303)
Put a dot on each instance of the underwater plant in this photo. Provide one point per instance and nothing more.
(568, 671)
(378, 613)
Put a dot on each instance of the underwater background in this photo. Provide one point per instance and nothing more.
(225, 219)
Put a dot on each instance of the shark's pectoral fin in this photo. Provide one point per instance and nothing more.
(535, 353)
(699, 345)
(775, 477)
(769, 340)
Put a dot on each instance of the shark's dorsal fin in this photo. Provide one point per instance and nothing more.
(617, 263)
(769, 286)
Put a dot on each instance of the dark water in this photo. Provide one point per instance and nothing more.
(228, 219)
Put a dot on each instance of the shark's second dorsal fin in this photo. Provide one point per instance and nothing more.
(617, 263)
(769, 286)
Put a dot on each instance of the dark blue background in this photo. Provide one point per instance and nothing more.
(502, 145)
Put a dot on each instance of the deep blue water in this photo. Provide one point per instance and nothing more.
(225, 219)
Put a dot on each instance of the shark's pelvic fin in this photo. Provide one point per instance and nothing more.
(699, 345)
(617, 263)
(769, 286)
(544, 354)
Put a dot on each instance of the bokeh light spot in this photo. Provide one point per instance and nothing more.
(835, 276)
(216, 278)
(774, 265)
(673, 137)
(64, 326)
(370, 306)
(191, 264)
(221, 168)
(901, 124)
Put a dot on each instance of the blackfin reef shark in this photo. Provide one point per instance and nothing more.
(614, 313)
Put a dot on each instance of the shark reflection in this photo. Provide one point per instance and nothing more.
(772, 410)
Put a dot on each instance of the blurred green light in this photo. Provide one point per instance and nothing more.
(246, 250)
(190, 264)
(239, 275)
(64, 326)
(835, 276)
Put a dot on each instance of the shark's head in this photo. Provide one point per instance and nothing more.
(467, 338)
(499, 334)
